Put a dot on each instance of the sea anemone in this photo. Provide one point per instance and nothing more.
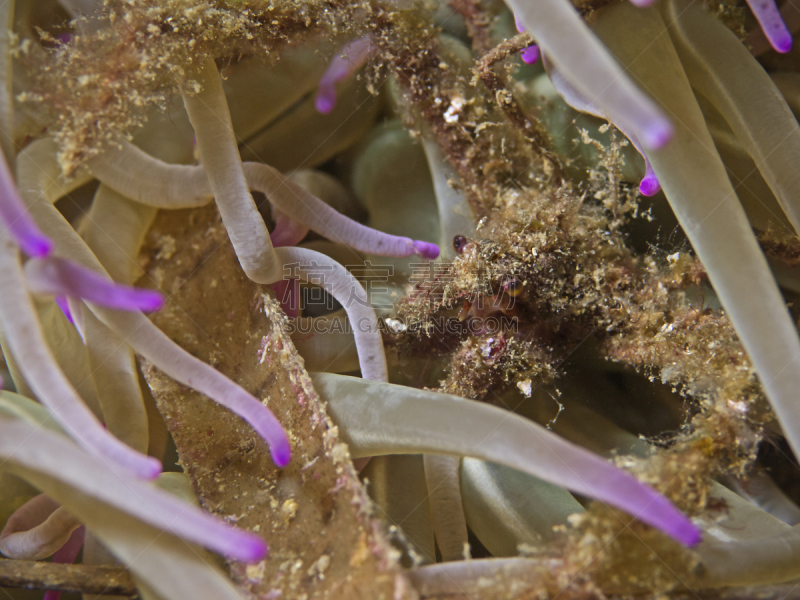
(518, 389)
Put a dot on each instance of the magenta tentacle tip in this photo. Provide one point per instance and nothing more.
(62, 277)
(642, 3)
(326, 99)
(530, 54)
(772, 24)
(15, 216)
(35, 244)
(782, 42)
(146, 300)
(140, 465)
(343, 65)
(253, 549)
(665, 516)
(426, 249)
(649, 185)
(151, 468)
(128, 298)
(685, 532)
(281, 453)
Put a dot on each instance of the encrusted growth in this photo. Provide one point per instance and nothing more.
(549, 267)
(106, 80)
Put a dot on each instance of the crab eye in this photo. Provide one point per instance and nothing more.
(513, 287)
(459, 242)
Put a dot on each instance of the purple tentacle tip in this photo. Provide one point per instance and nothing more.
(662, 514)
(15, 216)
(682, 530)
(772, 24)
(35, 244)
(130, 298)
(152, 469)
(326, 99)
(343, 65)
(781, 41)
(530, 54)
(142, 466)
(426, 249)
(24, 229)
(62, 277)
(642, 3)
(649, 185)
(281, 453)
(254, 549)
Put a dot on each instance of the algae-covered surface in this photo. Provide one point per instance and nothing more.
(618, 329)
(314, 514)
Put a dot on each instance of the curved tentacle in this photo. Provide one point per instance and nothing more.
(589, 67)
(146, 339)
(700, 193)
(37, 530)
(414, 420)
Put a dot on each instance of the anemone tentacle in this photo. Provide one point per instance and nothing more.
(313, 267)
(417, 420)
(26, 340)
(211, 119)
(447, 510)
(649, 185)
(60, 277)
(346, 62)
(772, 24)
(148, 340)
(16, 220)
(722, 70)
(590, 67)
(181, 186)
(65, 463)
(567, 250)
(114, 229)
(37, 529)
(6, 84)
(698, 188)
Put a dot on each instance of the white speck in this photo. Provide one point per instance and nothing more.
(451, 114)
(255, 573)
(396, 325)
(166, 247)
(289, 509)
(738, 406)
(319, 567)
(309, 463)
